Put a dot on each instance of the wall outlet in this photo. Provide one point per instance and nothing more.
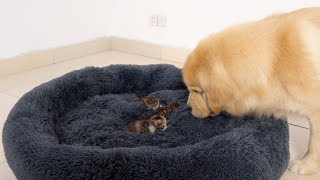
(154, 20)
(158, 21)
(162, 21)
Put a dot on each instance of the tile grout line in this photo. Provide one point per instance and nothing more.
(133, 53)
(160, 59)
(2, 162)
(70, 59)
(11, 96)
(299, 126)
(172, 61)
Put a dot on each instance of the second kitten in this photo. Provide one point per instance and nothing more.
(148, 125)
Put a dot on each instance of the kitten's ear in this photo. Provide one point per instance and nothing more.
(158, 122)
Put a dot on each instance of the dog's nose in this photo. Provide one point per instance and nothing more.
(188, 107)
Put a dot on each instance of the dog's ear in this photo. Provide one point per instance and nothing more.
(217, 95)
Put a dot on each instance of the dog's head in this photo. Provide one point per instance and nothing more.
(205, 78)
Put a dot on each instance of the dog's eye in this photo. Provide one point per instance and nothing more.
(195, 91)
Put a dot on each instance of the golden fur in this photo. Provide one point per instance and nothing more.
(267, 67)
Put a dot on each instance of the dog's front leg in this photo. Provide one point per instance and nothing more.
(310, 163)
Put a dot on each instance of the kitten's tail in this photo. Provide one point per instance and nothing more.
(138, 100)
(125, 129)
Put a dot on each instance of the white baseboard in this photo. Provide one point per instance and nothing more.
(46, 57)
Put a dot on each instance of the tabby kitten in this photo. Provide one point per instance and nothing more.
(152, 102)
(148, 125)
(164, 110)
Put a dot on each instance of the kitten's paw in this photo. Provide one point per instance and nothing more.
(304, 167)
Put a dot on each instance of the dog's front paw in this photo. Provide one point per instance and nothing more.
(200, 114)
(304, 167)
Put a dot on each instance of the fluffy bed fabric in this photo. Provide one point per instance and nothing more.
(71, 128)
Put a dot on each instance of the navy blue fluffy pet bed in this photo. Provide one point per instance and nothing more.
(71, 128)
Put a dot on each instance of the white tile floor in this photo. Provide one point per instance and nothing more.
(14, 86)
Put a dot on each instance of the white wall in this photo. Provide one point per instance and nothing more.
(190, 20)
(28, 25)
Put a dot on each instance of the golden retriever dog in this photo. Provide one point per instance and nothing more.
(267, 67)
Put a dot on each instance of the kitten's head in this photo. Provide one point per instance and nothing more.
(160, 122)
(152, 102)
